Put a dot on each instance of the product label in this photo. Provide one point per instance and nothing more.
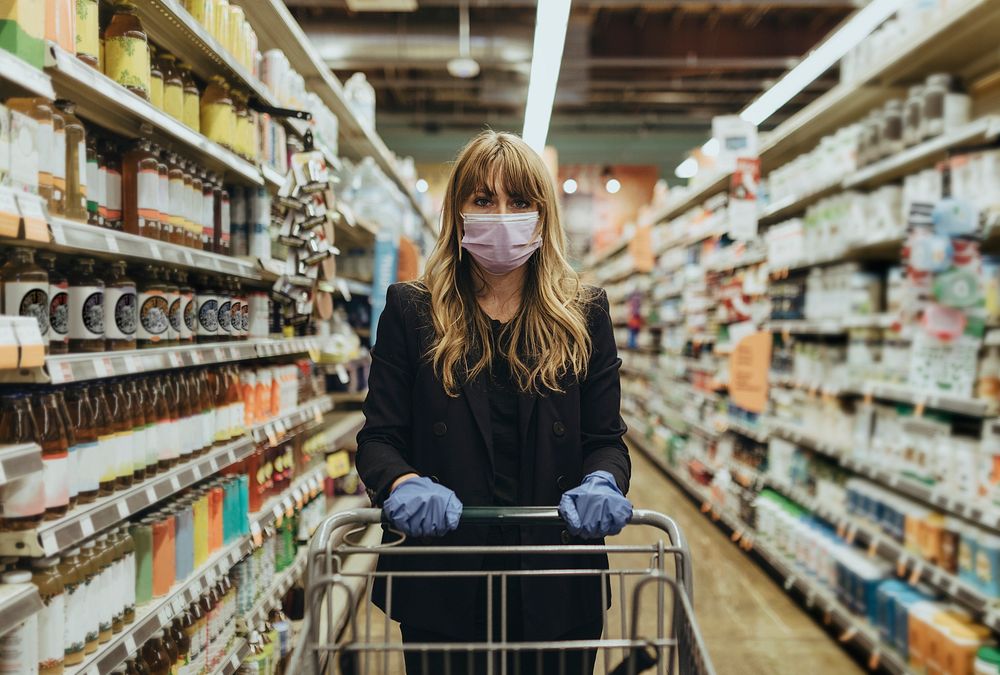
(55, 473)
(28, 298)
(208, 315)
(19, 648)
(51, 632)
(163, 197)
(177, 202)
(59, 311)
(225, 317)
(218, 122)
(176, 316)
(95, 186)
(24, 497)
(59, 163)
(236, 317)
(74, 630)
(126, 61)
(45, 140)
(173, 100)
(88, 40)
(88, 462)
(246, 318)
(174, 430)
(86, 312)
(81, 168)
(120, 313)
(113, 196)
(123, 445)
(148, 195)
(140, 439)
(108, 451)
(154, 316)
(23, 152)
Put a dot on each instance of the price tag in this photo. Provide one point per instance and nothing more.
(196, 356)
(220, 355)
(122, 507)
(175, 483)
(175, 359)
(234, 354)
(150, 495)
(280, 427)
(129, 644)
(234, 661)
(196, 470)
(87, 526)
(188, 258)
(342, 374)
(111, 242)
(101, 367)
(155, 251)
(131, 364)
(164, 616)
(317, 415)
(272, 437)
(214, 463)
(256, 535)
(58, 233)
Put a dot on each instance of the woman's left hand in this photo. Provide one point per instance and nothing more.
(596, 508)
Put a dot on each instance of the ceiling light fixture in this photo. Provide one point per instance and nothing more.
(613, 186)
(821, 59)
(687, 169)
(569, 186)
(551, 19)
(422, 185)
(464, 66)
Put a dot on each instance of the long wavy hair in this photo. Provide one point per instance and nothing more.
(547, 341)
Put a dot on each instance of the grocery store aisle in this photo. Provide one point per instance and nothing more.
(749, 624)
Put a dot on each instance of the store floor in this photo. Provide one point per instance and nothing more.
(750, 625)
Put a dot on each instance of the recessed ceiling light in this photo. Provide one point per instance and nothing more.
(613, 186)
(569, 186)
(422, 185)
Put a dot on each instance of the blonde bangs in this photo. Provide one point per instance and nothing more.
(547, 342)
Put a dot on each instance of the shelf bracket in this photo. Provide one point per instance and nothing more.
(275, 111)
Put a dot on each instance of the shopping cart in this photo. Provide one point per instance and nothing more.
(335, 639)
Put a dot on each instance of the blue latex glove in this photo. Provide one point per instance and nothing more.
(419, 507)
(596, 508)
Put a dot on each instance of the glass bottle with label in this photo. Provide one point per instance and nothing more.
(55, 454)
(88, 40)
(207, 410)
(208, 211)
(183, 644)
(154, 309)
(188, 201)
(170, 647)
(121, 312)
(26, 290)
(39, 110)
(187, 323)
(128, 553)
(177, 211)
(172, 435)
(236, 310)
(107, 450)
(58, 299)
(74, 630)
(126, 50)
(218, 117)
(101, 555)
(155, 655)
(86, 308)
(225, 310)
(135, 665)
(95, 183)
(83, 422)
(155, 78)
(57, 162)
(141, 190)
(51, 620)
(173, 87)
(186, 417)
(87, 617)
(140, 429)
(163, 195)
(23, 503)
(197, 209)
(222, 222)
(76, 162)
(208, 310)
(192, 98)
(162, 428)
(19, 645)
(117, 574)
(113, 188)
(72, 470)
(173, 296)
(121, 420)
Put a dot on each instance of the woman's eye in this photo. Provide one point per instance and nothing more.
(482, 202)
(521, 204)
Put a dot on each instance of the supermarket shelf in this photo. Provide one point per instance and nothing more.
(748, 259)
(951, 45)
(807, 327)
(17, 603)
(608, 251)
(55, 536)
(110, 105)
(854, 629)
(693, 197)
(875, 248)
(72, 237)
(64, 368)
(272, 177)
(18, 73)
(760, 434)
(277, 29)
(962, 405)
(18, 461)
(789, 206)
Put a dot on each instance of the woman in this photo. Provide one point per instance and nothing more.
(494, 381)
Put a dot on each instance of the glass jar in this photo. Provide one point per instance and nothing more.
(46, 577)
(178, 228)
(83, 422)
(208, 310)
(57, 162)
(155, 79)
(173, 87)
(163, 195)
(141, 190)
(40, 111)
(74, 448)
(225, 310)
(76, 162)
(218, 116)
(26, 290)
(107, 449)
(913, 116)
(121, 313)
(155, 656)
(23, 503)
(173, 308)
(75, 608)
(154, 309)
(86, 308)
(192, 98)
(95, 183)
(113, 187)
(188, 323)
(55, 454)
(892, 128)
(243, 127)
(126, 50)
(221, 26)
(236, 310)
(58, 304)
(88, 32)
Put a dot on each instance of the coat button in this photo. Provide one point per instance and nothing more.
(558, 428)
(440, 428)
(562, 483)
(564, 537)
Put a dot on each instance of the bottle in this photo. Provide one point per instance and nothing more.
(245, 130)
(163, 434)
(51, 436)
(83, 422)
(197, 631)
(58, 304)
(171, 648)
(51, 629)
(208, 310)
(173, 87)
(188, 406)
(208, 212)
(26, 290)
(187, 324)
(74, 609)
(183, 643)
(128, 556)
(235, 310)
(107, 447)
(39, 110)
(121, 309)
(171, 395)
(84, 559)
(57, 162)
(86, 308)
(19, 646)
(988, 383)
(189, 218)
(155, 656)
(88, 32)
(95, 183)
(23, 503)
(134, 665)
(282, 629)
(192, 98)
(173, 295)
(197, 209)
(76, 162)
(163, 196)
(116, 573)
(72, 467)
(113, 188)
(155, 79)
(225, 311)
(207, 410)
(141, 190)
(218, 117)
(126, 50)
(140, 429)
(177, 202)
(154, 309)
(121, 416)
(222, 222)
(100, 588)
(150, 446)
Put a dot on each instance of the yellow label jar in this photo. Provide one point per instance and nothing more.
(126, 50)
(192, 98)
(218, 116)
(88, 32)
(173, 87)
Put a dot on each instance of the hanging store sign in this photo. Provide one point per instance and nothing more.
(743, 190)
(749, 364)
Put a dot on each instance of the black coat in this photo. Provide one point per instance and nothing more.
(412, 425)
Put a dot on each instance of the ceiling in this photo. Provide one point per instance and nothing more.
(639, 84)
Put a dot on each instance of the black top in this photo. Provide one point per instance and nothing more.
(502, 391)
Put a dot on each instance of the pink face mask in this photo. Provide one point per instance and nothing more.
(501, 243)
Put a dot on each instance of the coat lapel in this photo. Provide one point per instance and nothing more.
(479, 405)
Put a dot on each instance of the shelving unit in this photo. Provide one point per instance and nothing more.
(17, 603)
(15, 72)
(19, 461)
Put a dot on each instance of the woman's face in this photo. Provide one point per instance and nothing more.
(484, 200)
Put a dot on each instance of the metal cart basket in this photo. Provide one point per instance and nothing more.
(641, 632)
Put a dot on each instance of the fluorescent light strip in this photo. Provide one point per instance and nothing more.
(551, 19)
(821, 59)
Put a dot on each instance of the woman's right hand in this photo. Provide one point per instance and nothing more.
(419, 507)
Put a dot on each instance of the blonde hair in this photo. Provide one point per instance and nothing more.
(547, 340)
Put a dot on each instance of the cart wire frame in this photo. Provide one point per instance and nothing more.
(678, 646)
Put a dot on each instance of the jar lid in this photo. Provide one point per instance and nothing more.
(45, 563)
(16, 577)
